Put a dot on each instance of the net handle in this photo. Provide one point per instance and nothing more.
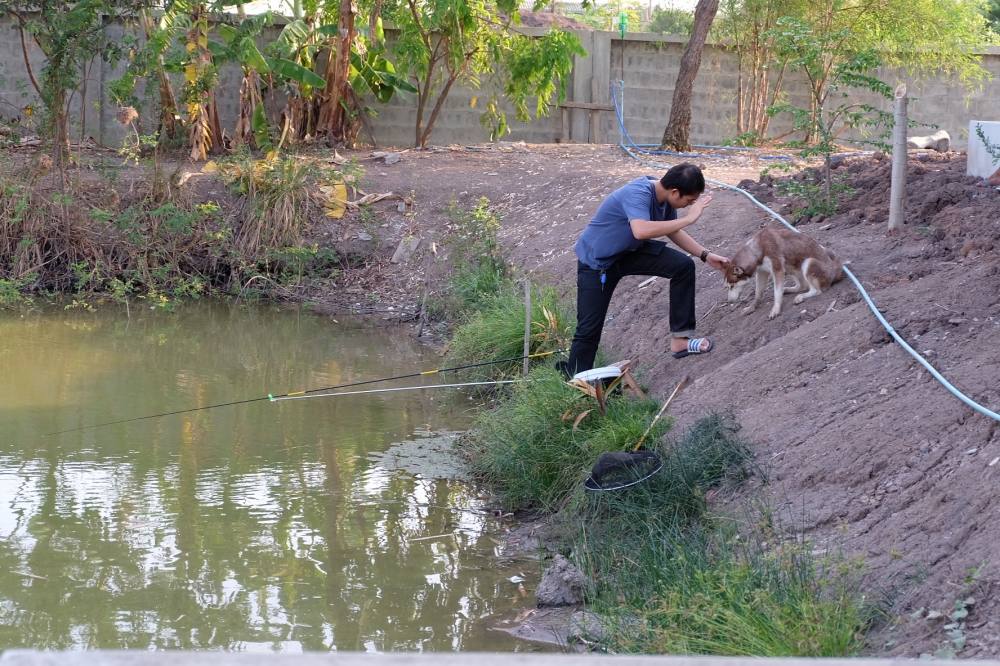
(683, 383)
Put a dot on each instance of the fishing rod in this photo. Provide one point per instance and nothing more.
(398, 388)
(270, 397)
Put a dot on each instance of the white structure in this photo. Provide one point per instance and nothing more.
(980, 161)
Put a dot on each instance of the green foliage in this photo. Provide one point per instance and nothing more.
(835, 73)
(715, 594)
(744, 140)
(479, 270)
(487, 301)
(604, 16)
(671, 21)
(812, 195)
(991, 10)
(70, 34)
(496, 330)
(293, 264)
(441, 43)
(530, 453)
(13, 291)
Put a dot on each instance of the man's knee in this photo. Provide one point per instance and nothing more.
(686, 268)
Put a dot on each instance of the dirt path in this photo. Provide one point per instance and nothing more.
(864, 452)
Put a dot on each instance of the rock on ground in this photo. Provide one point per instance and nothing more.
(562, 584)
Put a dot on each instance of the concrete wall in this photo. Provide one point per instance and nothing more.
(647, 63)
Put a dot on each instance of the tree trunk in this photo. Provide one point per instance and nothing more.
(168, 102)
(332, 117)
(676, 136)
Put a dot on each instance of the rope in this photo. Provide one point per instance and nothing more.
(632, 149)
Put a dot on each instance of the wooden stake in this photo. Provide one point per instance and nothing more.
(527, 324)
(656, 418)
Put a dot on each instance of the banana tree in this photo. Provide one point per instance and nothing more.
(239, 45)
(330, 105)
(200, 78)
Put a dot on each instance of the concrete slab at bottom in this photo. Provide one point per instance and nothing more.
(178, 658)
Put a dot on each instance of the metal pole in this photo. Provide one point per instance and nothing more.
(897, 193)
(527, 324)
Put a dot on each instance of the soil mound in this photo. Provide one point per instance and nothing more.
(865, 453)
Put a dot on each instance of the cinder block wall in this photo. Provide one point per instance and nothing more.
(646, 63)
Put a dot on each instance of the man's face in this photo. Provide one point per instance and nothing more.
(678, 200)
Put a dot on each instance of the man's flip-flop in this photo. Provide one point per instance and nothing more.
(694, 347)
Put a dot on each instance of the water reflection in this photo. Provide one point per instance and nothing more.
(261, 526)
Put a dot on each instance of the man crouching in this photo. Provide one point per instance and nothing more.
(619, 241)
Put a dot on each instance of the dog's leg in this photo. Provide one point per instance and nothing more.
(799, 281)
(778, 278)
(811, 280)
(760, 282)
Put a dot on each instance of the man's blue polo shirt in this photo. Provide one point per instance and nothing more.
(609, 234)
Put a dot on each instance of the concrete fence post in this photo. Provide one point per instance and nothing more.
(897, 192)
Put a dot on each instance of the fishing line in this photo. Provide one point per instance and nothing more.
(270, 397)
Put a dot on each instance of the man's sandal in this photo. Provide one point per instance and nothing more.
(694, 347)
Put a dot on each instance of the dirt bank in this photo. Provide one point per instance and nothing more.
(866, 453)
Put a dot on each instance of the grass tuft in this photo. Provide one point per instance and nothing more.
(528, 450)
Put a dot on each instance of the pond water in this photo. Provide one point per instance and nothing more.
(301, 525)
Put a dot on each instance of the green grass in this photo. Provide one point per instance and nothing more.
(668, 578)
(496, 330)
(705, 590)
(528, 451)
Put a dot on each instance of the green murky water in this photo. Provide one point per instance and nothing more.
(301, 525)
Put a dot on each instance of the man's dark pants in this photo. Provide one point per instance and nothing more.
(593, 297)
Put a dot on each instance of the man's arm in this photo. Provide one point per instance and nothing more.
(646, 229)
(683, 240)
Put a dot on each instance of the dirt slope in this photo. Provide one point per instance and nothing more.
(865, 452)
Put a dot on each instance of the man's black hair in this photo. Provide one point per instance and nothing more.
(686, 178)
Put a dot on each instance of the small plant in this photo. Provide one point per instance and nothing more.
(292, 265)
(479, 270)
(816, 198)
(954, 623)
(279, 193)
(992, 148)
(744, 140)
(12, 292)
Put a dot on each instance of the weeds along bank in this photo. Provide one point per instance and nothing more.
(160, 232)
(666, 574)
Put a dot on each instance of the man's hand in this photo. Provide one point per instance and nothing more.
(717, 261)
(694, 210)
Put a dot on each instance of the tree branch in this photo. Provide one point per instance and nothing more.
(24, 52)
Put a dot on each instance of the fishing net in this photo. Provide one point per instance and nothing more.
(616, 470)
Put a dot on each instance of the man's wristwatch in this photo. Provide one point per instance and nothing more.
(703, 256)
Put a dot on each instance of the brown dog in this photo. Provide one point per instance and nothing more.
(777, 252)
